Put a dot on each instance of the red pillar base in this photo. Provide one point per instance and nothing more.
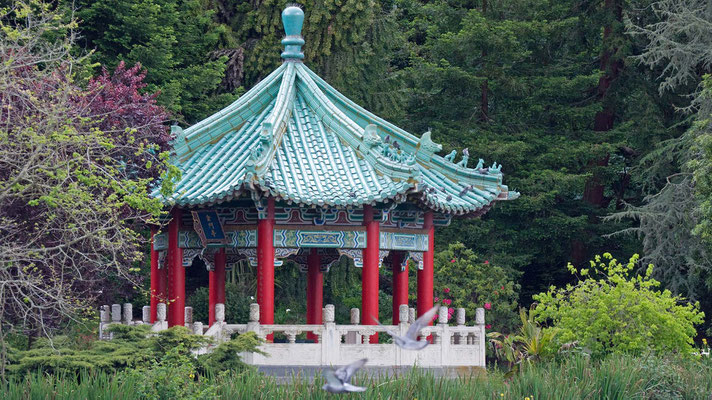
(369, 273)
(176, 274)
(400, 283)
(216, 284)
(265, 266)
(425, 276)
(155, 276)
(315, 292)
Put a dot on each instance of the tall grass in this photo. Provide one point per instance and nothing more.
(617, 377)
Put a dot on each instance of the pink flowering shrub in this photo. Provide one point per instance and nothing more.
(463, 280)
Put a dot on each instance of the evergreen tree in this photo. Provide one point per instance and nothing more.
(173, 39)
(542, 62)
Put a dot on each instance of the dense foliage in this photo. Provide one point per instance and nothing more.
(595, 109)
(565, 95)
(76, 166)
(612, 310)
(132, 348)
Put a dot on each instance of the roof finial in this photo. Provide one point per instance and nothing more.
(293, 19)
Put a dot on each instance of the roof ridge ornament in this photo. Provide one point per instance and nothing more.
(293, 20)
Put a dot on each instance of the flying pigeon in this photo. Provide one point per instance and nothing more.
(338, 381)
(410, 340)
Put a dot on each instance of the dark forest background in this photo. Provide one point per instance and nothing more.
(597, 109)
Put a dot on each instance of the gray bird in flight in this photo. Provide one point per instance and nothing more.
(338, 381)
(410, 340)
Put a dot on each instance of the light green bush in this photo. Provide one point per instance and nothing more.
(610, 309)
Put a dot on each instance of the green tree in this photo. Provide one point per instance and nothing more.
(541, 62)
(174, 40)
(612, 310)
(673, 218)
(350, 43)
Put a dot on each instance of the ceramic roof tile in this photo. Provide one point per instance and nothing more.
(297, 138)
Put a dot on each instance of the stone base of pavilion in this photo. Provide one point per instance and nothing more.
(454, 349)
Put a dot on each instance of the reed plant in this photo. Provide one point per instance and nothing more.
(575, 377)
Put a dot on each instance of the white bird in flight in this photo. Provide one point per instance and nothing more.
(338, 381)
(410, 340)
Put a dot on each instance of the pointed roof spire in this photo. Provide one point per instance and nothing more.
(293, 19)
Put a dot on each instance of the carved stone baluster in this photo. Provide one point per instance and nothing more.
(220, 313)
(352, 337)
(128, 313)
(291, 335)
(459, 337)
(146, 314)
(161, 312)
(116, 313)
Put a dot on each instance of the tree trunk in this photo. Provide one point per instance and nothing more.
(611, 66)
(484, 102)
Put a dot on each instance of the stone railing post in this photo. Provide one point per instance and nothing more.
(355, 316)
(403, 314)
(460, 317)
(161, 323)
(442, 323)
(253, 325)
(161, 312)
(460, 320)
(352, 336)
(128, 313)
(116, 313)
(188, 317)
(104, 320)
(480, 322)
(219, 313)
(411, 315)
(331, 338)
(146, 314)
(197, 328)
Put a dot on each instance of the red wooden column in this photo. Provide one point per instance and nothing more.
(315, 291)
(216, 284)
(369, 277)
(425, 276)
(265, 265)
(155, 277)
(400, 283)
(176, 274)
(162, 278)
(212, 296)
(220, 265)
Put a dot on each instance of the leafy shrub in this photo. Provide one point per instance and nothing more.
(610, 311)
(464, 281)
(225, 356)
(529, 344)
(133, 347)
(174, 376)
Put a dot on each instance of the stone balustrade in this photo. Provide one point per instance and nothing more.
(452, 345)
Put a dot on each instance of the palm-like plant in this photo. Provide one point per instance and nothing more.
(530, 344)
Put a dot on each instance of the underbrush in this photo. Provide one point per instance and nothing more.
(575, 377)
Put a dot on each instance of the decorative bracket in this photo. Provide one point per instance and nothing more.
(416, 256)
(189, 255)
(354, 254)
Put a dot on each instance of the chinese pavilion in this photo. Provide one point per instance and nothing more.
(295, 170)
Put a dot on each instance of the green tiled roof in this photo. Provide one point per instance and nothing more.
(295, 137)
